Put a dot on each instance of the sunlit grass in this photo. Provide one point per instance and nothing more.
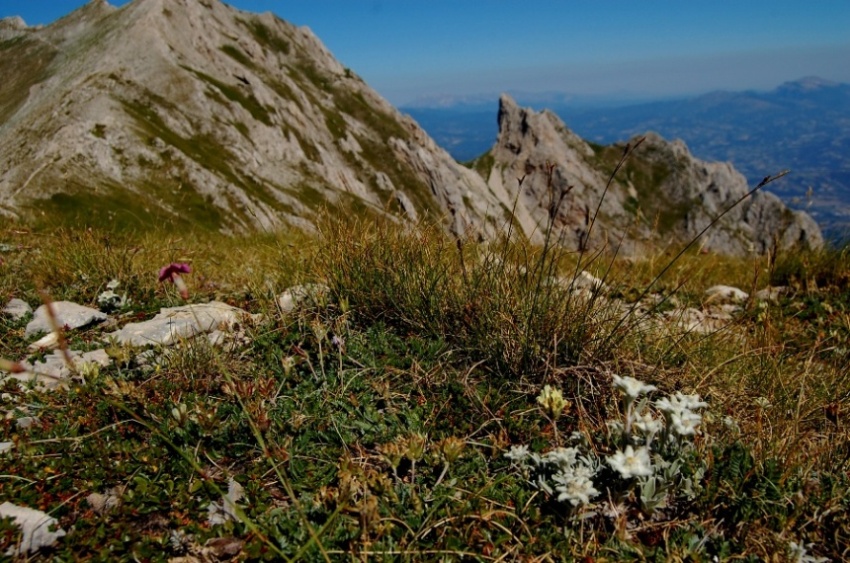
(373, 423)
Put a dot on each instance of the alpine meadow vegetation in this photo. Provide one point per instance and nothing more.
(438, 399)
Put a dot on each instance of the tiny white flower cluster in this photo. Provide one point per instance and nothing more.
(679, 411)
(631, 462)
(799, 553)
(647, 448)
(109, 301)
(632, 387)
(570, 472)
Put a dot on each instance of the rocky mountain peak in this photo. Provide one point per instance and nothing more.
(13, 22)
(191, 112)
(12, 27)
(663, 193)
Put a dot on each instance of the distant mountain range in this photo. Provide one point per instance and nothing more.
(803, 126)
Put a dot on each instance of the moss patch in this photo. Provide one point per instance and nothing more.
(23, 64)
(266, 36)
(237, 55)
(483, 164)
(115, 208)
(235, 94)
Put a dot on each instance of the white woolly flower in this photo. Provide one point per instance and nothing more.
(679, 410)
(562, 457)
(799, 554)
(518, 454)
(631, 462)
(679, 402)
(689, 402)
(648, 424)
(685, 423)
(631, 386)
(584, 469)
(573, 488)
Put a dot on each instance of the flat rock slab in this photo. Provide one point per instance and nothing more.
(53, 372)
(17, 309)
(302, 295)
(772, 294)
(174, 324)
(725, 294)
(68, 315)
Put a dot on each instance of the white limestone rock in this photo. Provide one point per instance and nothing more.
(302, 295)
(17, 309)
(39, 529)
(68, 315)
(694, 321)
(725, 294)
(49, 342)
(54, 372)
(175, 324)
(585, 280)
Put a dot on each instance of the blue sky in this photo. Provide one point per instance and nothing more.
(409, 49)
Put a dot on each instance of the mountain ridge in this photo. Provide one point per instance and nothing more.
(206, 86)
(662, 194)
(194, 114)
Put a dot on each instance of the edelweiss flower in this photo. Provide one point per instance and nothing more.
(680, 402)
(518, 454)
(562, 457)
(690, 401)
(575, 489)
(648, 424)
(678, 409)
(631, 462)
(631, 386)
(685, 423)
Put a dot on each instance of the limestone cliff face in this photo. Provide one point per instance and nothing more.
(663, 195)
(192, 112)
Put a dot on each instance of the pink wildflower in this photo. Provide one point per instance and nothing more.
(172, 273)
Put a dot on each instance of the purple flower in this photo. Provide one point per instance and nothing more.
(174, 269)
(172, 273)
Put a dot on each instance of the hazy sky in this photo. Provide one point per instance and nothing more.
(408, 49)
